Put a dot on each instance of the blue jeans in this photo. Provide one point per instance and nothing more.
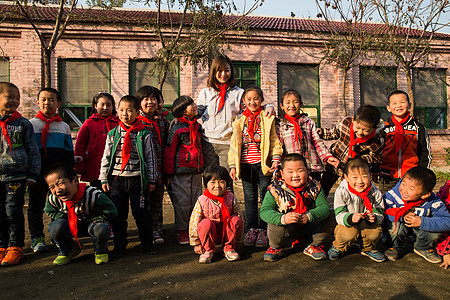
(12, 222)
(99, 230)
(252, 177)
(424, 240)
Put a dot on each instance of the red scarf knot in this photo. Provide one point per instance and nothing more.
(355, 141)
(71, 215)
(399, 132)
(297, 130)
(251, 120)
(46, 128)
(224, 211)
(126, 147)
(221, 97)
(153, 123)
(3, 124)
(192, 130)
(363, 195)
(300, 206)
(398, 212)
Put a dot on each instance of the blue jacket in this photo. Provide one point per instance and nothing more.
(434, 214)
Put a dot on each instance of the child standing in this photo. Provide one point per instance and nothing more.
(77, 209)
(359, 207)
(443, 246)
(91, 138)
(54, 140)
(295, 208)
(412, 209)
(357, 136)
(215, 218)
(299, 135)
(129, 173)
(406, 139)
(150, 98)
(255, 151)
(19, 168)
(186, 156)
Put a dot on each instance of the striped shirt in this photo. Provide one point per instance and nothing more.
(132, 168)
(251, 150)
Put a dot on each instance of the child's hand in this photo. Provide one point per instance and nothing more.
(29, 182)
(446, 262)
(270, 110)
(333, 161)
(150, 188)
(303, 219)
(357, 217)
(233, 174)
(292, 217)
(319, 131)
(371, 217)
(105, 187)
(274, 166)
(199, 249)
(412, 220)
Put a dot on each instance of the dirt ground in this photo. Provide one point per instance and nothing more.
(176, 273)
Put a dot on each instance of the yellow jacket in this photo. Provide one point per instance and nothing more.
(270, 143)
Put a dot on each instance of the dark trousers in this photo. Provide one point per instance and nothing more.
(36, 203)
(328, 179)
(424, 240)
(252, 178)
(12, 222)
(124, 190)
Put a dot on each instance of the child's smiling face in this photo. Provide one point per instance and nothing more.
(223, 74)
(362, 129)
(252, 101)
(398, 105)
(411, 190)
(127, 113)
(295, 173)
(191, 111)
(358, 178)
(291, 105)
(216, 186)
(62, 187)
(9, 100)
(149, 105)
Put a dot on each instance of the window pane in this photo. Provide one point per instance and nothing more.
(303, 78)
(312, 113)
(376, 84)
(78, 112)
(249, 72)
(435, 118)
(246, 74)
(429, 88)
(4, 69)
(420, 115)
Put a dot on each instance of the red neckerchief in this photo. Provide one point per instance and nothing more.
(106, 120)
(297, 129)
(354, 141)
(363, 195)
(192, 131)
(224, 211)
(221, 97)
(300, 207)
(44, 133)
(251, 118)
(15, 115)
(164, 113)
(399, 132)
(153, 123)
(398, 212)
(126, 148)
(72, 216)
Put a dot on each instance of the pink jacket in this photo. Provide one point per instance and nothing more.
(90, 144)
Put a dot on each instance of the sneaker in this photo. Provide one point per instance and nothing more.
(117, 252)
(158, 239)
(315, 252)
(14, 256)
(334, 253)
(392, 254)
(150, 249)
(273, 254)
(38, 244)
(3, 252)
(61, 260)
(182, 237)
(250, 237)
(232, 255)
(429, 255)
(261, 240)
(206, 257)
(374, 255)
(101, 258)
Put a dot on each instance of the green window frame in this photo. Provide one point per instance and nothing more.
(430, 97)
(79, 81)
(376, 83)
(305, 79)
(247, 73)
(140, 75)
(4, 69)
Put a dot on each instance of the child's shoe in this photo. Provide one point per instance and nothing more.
(429, 255)
(14, 256)
(232, 255)
(392, 254)
(102, 258)
(261, 240)
(3, 252)
(150, 249)
(316, 252)
(206, 257)
(273, 254)
(61, 260)
(158, 239)
(117, 252)
(182, 237)
(374, 255)
(334, 253)
(250, 237)
(38, 244)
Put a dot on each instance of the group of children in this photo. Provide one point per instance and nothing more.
(133, 155)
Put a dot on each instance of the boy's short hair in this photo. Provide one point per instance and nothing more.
(149, 91)
(368, 114)
(62, 168)
(293, 157)
(292, 92)
(51, 90)
(7, 85)
(215, 172)
(423, 176)
(131, 99)
(356, 163)
(397, 92)
(180, 104)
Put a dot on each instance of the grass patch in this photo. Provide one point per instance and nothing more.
(442, 176)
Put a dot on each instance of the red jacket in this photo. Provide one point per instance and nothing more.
(90, 144)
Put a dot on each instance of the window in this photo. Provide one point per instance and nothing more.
(4, 69)
(376, 83)
(304, 79)
(247, 73)
(430, 95)
(79, 82)
(140, 75)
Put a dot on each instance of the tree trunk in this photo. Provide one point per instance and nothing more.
(47, 72)
(410, 91)
(343, 90)
(162, 79)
